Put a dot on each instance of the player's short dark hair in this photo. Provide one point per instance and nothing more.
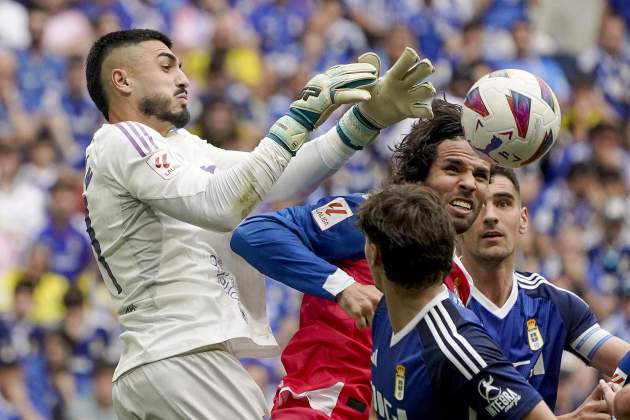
(415, 155)
(510, 174)
(102, 48)
(410, 227)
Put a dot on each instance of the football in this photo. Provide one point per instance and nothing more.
(511, 116)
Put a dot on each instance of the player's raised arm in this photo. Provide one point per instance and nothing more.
(398, 94)
(297, 245)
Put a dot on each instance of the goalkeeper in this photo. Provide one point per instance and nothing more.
(160, 207)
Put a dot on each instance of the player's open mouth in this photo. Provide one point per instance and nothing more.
(462, 205)
(491, 234)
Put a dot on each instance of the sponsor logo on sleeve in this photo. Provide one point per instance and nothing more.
(164, 164)
(499, 400)
(332, 213)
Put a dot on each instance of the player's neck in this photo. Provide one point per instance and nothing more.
(493, 280)
(403, 305)
(126, 113)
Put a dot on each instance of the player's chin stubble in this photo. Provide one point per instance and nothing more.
(157, 106)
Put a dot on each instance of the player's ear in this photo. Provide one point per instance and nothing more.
(372, 253)
(524, 221)
(120, 81)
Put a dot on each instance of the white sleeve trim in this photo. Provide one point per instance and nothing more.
(314, 162)
(590, 340)
(337, 282)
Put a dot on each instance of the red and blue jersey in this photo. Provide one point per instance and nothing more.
(319, 250)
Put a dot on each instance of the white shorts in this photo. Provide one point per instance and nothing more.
(209, 384)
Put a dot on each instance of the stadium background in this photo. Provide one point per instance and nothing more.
(246, 60)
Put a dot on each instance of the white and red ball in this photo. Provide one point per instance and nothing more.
(511, 116)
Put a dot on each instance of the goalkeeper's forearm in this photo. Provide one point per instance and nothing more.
(317, 160)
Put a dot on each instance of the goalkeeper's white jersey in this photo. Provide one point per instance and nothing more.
(155, 211)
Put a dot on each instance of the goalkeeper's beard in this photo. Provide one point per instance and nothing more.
(157, 106)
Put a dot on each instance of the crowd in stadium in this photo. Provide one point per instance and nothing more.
(247, 60)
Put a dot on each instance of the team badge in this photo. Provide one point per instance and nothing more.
(534, 337)
(399, 384)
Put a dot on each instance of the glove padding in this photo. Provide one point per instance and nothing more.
(342, 84)
(397, 95)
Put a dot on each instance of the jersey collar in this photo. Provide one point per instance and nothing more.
(416, 319)
(499, 312)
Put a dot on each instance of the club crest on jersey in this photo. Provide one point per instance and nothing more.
(163, 163)
(332, 213)
(534, 337)
(399, 383)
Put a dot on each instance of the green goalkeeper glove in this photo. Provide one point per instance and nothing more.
(397, 95)
(343, 84)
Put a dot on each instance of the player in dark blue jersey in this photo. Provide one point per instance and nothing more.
(431, 358)
(532, 320)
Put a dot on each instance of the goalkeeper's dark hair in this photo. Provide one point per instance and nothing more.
(415, 155)
(410, 227)
(102, 48)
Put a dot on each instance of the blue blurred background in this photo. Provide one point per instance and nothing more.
(247, 59)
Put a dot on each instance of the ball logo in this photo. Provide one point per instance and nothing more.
(488, 391)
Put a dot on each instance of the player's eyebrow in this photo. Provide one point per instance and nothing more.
(170, 56)
(504, 194)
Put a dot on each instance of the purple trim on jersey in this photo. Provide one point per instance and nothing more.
(136, 131)
(209, 168)
(148, 136)
(131, 140)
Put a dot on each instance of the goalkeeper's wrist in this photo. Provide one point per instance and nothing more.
(288, 133)
(355, 130)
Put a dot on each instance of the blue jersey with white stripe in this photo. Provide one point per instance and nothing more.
(538, 322)
(443, 365)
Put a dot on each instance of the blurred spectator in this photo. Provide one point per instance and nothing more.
(569, 202)
(607, 149)
(609, 259)
(63, 239)
(618, 323)
(20, 336)
(72, 114)
(21, 207)
(332, 38)
(13, 24)
(48, 288)
(15, 403)
(527, 58)
(41, 170)
(98, 405)
(14, 124)
(609, 61)
(39, 72)
(502, 14)
(67, 30)
(571, 24)
(280, 24)
(88, 342)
